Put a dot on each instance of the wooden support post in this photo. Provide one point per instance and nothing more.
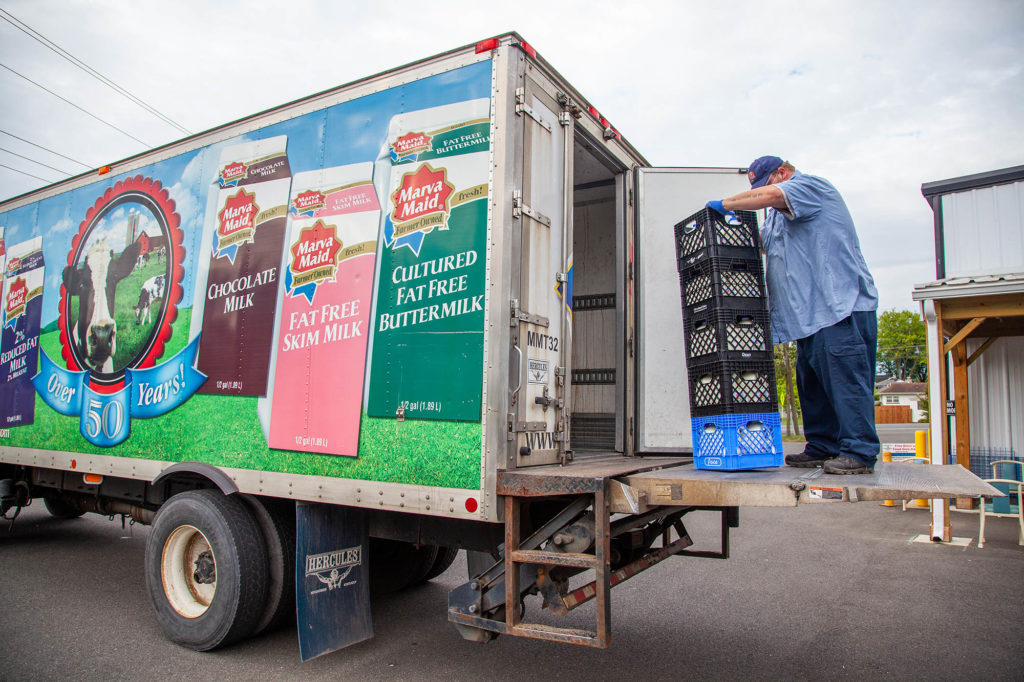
(981, 349)
(962, 417)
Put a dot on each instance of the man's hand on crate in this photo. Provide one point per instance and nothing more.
(729, 216)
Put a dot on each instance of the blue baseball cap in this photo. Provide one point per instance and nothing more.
(761, 168)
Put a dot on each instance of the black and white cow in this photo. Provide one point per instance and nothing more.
(95, 284)
(152, 290)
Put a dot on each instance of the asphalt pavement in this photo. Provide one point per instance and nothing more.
(809, 592)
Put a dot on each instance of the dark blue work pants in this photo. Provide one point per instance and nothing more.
(835, 376)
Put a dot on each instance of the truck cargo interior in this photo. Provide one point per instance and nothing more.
(597, 344)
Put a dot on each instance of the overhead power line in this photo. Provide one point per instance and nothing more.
(24, 173)
(39, 146)
(2, 149)
(84, 111)
(49, 44)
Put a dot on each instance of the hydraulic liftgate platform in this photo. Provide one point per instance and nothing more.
(609, 513)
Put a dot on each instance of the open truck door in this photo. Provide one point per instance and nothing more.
(664, 197)
(542, 287)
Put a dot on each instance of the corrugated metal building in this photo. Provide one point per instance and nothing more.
(975, 315)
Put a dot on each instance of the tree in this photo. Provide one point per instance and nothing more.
(785, 371)
(902, 352)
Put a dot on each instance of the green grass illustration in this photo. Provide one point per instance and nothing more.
(225, 431)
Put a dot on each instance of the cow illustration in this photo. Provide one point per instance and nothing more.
(95, 284)
(152, 289)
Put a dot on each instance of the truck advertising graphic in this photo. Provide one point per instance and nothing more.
(283, 288)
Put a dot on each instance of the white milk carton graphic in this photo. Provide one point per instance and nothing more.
(432, 176)
(314, 398)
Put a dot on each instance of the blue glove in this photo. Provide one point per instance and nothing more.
(730, 217)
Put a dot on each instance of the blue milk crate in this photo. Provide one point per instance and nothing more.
(733, 442)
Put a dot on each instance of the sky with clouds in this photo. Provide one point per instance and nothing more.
(878, 97)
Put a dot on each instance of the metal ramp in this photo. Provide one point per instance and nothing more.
(788, 486)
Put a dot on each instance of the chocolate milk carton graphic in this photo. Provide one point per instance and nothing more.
(244, 238)
(314, 401)
(427, 342)
(19, 339)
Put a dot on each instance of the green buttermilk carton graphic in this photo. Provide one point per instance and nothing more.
(427, 345)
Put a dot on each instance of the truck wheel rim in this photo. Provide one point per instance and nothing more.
(186, 553)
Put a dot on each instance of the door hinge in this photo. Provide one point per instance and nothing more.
(521, 109)
(565, 118)
(518, 315)
(520, 209)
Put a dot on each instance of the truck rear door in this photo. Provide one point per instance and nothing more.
(664, 197)
(542, 308)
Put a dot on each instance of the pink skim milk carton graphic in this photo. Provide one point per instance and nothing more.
(314, 399)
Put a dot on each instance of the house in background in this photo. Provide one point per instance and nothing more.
(905, 393)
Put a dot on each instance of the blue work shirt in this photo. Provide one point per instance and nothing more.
(816, 272)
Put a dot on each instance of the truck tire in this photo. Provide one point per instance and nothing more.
(445, 558)
(60, 508)
(276, 519)
(396, 565)
(206, 569)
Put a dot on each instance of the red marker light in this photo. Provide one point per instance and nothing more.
(92, 479)
(487, 45)
(594, 112)
(471, 505)
(604, 122)
(528, 49)
(103, 170)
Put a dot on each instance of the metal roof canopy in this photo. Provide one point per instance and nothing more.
(955, 309)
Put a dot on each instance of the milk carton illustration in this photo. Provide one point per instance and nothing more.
(314, 400)
(243, 240)
(428, 319)
(19, 339)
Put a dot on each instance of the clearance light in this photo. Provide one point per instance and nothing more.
(471, 504)
(103, 170)
(487, 45)
(528, 49)
(594, 112)
(92, 479)
(74, 463)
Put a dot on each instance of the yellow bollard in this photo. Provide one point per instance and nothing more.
(887, 457)
(922, 448)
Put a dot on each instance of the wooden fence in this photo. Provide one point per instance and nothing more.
(893, 414)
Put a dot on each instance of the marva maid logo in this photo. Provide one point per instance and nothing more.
(421, 203)
(408, 147)
(17, 298)
(307, 203)
(233, 173)
(314, 260)
(236, 224)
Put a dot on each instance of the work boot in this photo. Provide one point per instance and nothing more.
(805, 461)
(844, 464)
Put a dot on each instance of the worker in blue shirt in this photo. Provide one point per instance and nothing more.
(821, 295)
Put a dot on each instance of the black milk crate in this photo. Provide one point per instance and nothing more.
(708, 234)
(732, 387)
(736, 283)
(720, 334)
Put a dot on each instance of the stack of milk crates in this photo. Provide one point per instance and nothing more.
(733, 397)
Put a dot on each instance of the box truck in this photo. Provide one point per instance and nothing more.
(323, 348)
